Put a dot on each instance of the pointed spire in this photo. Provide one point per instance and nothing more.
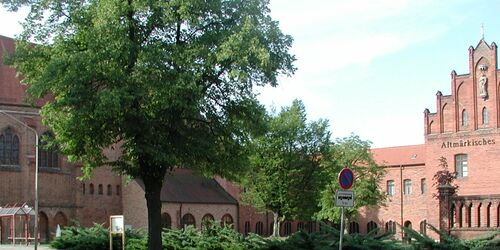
(482, 31)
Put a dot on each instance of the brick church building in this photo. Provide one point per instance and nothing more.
(465, 129)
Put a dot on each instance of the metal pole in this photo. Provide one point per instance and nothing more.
(341, 228)
(36, 190)
(6, 112)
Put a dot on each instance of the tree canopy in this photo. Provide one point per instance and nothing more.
(170, 82)
(286, 174)
(354, 153)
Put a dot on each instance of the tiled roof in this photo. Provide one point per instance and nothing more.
(403, 155)
(182, 186)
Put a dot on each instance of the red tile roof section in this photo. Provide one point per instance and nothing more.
(403, 155)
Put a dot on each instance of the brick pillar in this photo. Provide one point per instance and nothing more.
(484, 214)
(445, 192)
(469, 211)
(494, 214)
(478, 214)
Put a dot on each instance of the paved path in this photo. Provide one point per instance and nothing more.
(23, 247)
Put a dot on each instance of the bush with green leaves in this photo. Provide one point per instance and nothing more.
(486, 242)
(96, 238)
(215, 237)
(328, 238)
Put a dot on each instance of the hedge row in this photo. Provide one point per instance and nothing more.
(216, 237)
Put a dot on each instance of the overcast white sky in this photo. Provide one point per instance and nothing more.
(371, 67)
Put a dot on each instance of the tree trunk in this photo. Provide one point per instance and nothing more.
(276, 224)
(152, 186)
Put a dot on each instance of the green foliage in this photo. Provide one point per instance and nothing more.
(354, 153)
(96, 237)
(168, 83)
(215, 237)
(329, 239)
(444, 177)
(487, 241)
(211, 238)
(286, 172)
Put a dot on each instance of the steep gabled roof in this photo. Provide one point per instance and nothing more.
(402, 155)
(482, 42)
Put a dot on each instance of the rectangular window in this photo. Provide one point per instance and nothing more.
(407, 185)
(461, 165)
(423, 185)
(391, 190)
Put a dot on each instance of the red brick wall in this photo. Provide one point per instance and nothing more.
(135, 209)
(414, 209)
(59, 190)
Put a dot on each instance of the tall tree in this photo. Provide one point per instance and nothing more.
(354, 153)
(171, 82)
(286, 170)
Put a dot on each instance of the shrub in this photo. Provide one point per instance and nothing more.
(96, 238)
(215, 237)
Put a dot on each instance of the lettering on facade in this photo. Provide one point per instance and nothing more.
(468, 143)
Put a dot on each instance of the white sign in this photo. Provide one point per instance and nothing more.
(344, 198)
(116, 224)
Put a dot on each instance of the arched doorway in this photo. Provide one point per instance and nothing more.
(43, 224)
(407, 237)
(61, 220)
(166, 221)
(227, 220)
(188, 219)
(207, 221)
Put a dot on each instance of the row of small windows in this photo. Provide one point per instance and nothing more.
(390, 227)
(100, 189)
(189, 220)
(407, 187)
(9, 151)
(485, 119)
(461, 169)
(287, 227)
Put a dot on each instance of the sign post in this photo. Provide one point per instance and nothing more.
(344, 198)
(117, 227)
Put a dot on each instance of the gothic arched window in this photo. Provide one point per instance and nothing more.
(47, 155)
(486, 118)
(9, 148)
(465, 119)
